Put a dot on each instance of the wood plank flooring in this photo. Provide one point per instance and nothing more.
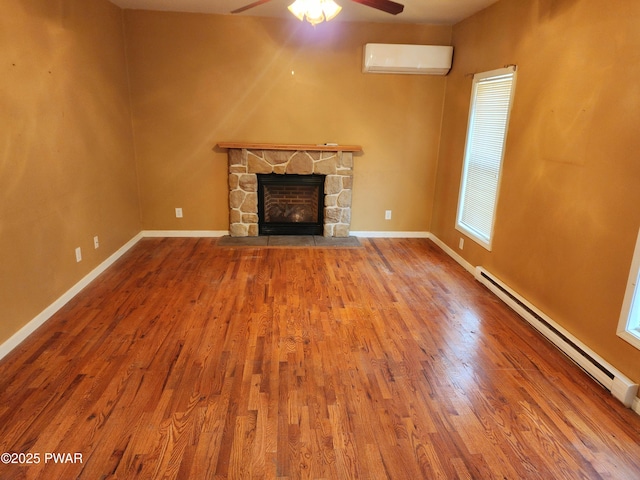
(190, 360)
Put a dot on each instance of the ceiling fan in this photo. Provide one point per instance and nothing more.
(384, 5)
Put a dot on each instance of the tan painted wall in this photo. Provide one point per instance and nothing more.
(568, 211)
(202, 79)
(66, 153)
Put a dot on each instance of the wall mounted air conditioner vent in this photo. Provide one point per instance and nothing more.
(407, 59)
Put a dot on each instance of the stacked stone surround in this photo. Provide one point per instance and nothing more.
(246, 164)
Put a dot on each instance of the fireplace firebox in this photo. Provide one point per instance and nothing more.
(290, 204)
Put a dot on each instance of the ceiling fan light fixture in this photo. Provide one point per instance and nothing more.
(315, 11)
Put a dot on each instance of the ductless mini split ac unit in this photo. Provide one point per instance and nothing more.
(407, 59)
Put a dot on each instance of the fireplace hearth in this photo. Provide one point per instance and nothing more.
(290, 204)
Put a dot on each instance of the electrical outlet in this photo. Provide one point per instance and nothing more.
(461, 243)
(387, 215)
(78, 254)
(178, 213)
(96, 242)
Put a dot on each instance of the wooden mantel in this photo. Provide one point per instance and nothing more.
(292, 147)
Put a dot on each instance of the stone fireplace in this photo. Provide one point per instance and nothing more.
(247, 161)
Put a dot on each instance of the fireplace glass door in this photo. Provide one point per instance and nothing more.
(290, 204)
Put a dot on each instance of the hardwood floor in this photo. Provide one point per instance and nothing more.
(190, 360)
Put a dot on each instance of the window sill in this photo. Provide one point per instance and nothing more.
(473, 236)
(631, 336)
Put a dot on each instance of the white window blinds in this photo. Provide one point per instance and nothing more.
(491, 100)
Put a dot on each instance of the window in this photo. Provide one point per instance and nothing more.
(491, 100)
(629, 324)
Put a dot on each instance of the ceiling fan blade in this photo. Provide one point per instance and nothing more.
(251, 5)
(385, 5)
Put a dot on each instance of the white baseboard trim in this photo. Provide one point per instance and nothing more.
(48, 312)
(184, 233)
(449, 251)
(378, 234)
(222, 233)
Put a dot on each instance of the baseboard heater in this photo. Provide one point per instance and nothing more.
(597, 368)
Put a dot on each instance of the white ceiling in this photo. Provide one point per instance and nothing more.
(415, 11)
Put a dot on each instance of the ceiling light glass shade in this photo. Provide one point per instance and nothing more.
(315, 14)
(330, 9)
(315, 11)
(298, 8)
